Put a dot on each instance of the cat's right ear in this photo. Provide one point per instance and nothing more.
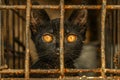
(38, 17)
(78, 17)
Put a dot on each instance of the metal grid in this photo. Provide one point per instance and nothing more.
(62, 70)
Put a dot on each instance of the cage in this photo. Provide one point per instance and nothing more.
(18, 53)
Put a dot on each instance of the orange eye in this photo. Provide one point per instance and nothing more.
(47, 38)
(71, 38)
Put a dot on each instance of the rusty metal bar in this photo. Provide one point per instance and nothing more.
(66, 78)
(57, 7)
(118, 25)
(3, 25)
(103, 15)
(3, 34)
(27, 54)
(62, 37)
(21, 39)
(91, 6)
(0, 37)
(21, 71)
(16, 25)
(118, 32)
(11, 34)
(117, 71)
(43, 71)
(45, 6)
(53, 71)
(11, 71)
(114, 37)
(3, 67)
(81, 70)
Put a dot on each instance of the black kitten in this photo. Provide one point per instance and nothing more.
(45, 34)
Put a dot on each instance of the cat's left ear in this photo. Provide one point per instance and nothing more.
(38, 17)
(78, 17)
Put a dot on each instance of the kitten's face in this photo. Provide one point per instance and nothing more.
(46, 37)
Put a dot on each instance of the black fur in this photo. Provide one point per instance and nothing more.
(48, 52)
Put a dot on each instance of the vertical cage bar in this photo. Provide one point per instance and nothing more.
(103, 15)
(28, 8)
(118, 25)
(3, 35)
(110, 44)
(21, 39)
(114, 15)
(16, 31)
(118, 35)
(3, 15)
(0, 38)
(11, 29)
(62, 38)
(0, 41)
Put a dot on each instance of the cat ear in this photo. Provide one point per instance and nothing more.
(78, 17)
(38, 17)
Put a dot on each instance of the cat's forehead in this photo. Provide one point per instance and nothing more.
(54, 26)
(68, 26)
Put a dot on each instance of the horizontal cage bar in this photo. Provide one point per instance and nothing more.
(21, 71)
(58, 7)
(68, 78)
